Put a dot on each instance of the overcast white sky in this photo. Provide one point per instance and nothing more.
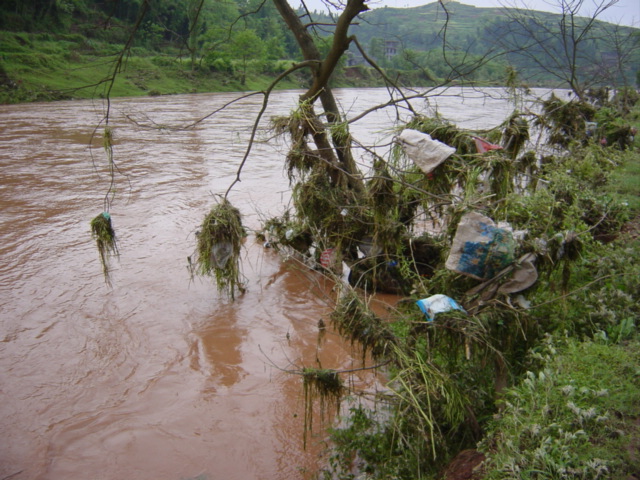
(624, 12)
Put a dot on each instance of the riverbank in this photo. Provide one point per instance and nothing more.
(48, 67)
(40, 67)
(44, 67)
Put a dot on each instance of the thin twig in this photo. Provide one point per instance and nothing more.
(301, 370)
(265, 104)
(568, 294)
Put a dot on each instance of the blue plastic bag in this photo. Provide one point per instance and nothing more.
(438, 304)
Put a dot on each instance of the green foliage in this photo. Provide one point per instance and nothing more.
(566, 196)
(571, 419)
(605, 289)
(515, 134)
(59, 64)
(473, 33)
(587, 288)
(365, 435)
(74, 66)
(206, 29)
(400, 438)
(322, 208)
(245, 45)
(565, 121)
(624, 182)
(613, 128)
(429, 398)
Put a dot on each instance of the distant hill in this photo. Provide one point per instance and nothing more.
(63, 49)
(476, 31)
(421, 27)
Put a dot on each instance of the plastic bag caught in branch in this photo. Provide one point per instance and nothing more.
(438, 304)
(480, 249)
(484, 146)
(423, 150)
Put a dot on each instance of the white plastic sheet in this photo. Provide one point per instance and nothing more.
(423, 150)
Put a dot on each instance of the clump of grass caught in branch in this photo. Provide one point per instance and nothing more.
(105, 236)
(322, 383)
(445, 132)
(501, 176)
(354, 320)
(301, 159)
(324, 209)
(218, 250)
(565, 121)
(381, 189)
(515, 134)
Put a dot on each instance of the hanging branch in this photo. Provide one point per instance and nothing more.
(101, 227)
(105, 237)
(265, 104)
(322, 383)
(218, 250)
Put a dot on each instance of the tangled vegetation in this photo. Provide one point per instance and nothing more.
(105, 237)
(566, 275)
(218, 250)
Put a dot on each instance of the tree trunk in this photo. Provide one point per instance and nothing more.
(340, 156)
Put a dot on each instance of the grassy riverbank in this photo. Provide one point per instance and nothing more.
(46, 67)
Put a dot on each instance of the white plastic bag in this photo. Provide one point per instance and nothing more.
(221, 253)
(423, 150)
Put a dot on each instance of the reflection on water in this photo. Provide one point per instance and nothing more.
(216, 350)
(158, 377)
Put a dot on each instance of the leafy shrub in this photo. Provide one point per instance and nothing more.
(222, 65)
(276, 67)
(163, 61)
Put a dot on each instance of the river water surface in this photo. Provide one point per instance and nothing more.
(158, 377)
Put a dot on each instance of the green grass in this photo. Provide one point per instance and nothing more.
(49, 67)
(575, 418)
(624, 182)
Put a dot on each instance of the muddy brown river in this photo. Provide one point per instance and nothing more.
(159, 377)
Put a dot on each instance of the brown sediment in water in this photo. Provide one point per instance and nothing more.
(158, 376)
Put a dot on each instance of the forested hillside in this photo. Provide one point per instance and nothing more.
(503, 38)
(65, 49)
